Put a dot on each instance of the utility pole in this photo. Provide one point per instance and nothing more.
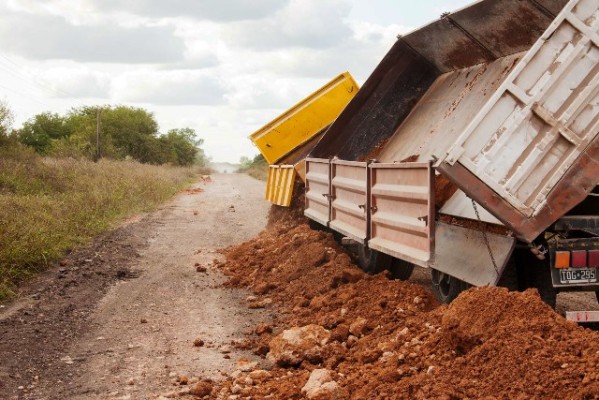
(98, 151)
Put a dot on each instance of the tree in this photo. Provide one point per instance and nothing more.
(126, 132)
(6, 120)
(39, 131)
(183, 145)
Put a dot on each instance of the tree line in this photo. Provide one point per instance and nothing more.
(124, 133)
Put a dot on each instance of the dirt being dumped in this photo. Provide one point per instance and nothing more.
(344, 334)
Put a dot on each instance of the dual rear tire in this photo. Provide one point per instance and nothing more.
(446, 287)
(373, 262)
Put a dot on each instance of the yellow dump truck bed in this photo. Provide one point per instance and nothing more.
(304, 120)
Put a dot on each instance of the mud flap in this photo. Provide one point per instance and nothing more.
(462, 253)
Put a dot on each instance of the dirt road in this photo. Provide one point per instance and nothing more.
(119, 319)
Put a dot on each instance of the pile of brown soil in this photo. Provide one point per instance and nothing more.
(390, 340)
(295, 212)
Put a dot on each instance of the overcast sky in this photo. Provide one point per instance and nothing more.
(223, 68)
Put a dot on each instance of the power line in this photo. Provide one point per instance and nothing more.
(27, 83)
(24, 95)
(30, 77)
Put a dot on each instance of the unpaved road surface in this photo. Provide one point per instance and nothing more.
(118, 319)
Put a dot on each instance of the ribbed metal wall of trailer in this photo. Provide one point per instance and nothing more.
(318, 191)
(349, 198)
(402, 210)
(279, 184)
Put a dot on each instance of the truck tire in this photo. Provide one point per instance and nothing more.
(446, 287)
(535, 273)
(316, 226)
(372, 261)
(542, 282)
(401, 269)
(509, 277)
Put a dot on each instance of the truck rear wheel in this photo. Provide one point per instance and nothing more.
(372, 261)
(446, 287)
(401, 269)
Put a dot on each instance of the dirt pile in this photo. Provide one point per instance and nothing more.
(390, 340)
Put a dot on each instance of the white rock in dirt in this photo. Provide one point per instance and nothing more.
(67, 360)
(386, 356)
(236, 389)
(321, 386)
(259, 374)
(245, 365)
(317, 378)
(294, 345)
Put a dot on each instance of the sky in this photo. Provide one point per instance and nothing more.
(224, 68)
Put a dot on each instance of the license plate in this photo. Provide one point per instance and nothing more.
(578, 275)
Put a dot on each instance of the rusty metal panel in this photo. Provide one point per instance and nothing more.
(279, 184)
(462, 252)
(482, 32)
(541, 120)
(349, 183)
(402, 210)
(318, 191)
(385, 99)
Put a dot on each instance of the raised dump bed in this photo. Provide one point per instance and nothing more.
(286, 140)
(478, 132)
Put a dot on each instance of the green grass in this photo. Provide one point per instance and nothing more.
(49, 206)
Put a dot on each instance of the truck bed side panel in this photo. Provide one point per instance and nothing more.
(349, 185)
(402, 210)
(318, 190)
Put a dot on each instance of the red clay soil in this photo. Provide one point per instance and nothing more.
(489, 343)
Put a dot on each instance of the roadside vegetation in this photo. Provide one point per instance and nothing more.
(54, 197)
(115, 132)
(256, 167)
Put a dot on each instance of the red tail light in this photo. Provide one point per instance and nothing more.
(594, 258)
(579, 258)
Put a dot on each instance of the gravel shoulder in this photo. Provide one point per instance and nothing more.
(119, 318)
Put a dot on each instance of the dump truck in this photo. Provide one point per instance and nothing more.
(286, 140)
(472, 149)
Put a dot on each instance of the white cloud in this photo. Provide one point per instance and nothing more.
(77, 81)
(303, 23)
(223, 10)
(168, 88)
(42, 37)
